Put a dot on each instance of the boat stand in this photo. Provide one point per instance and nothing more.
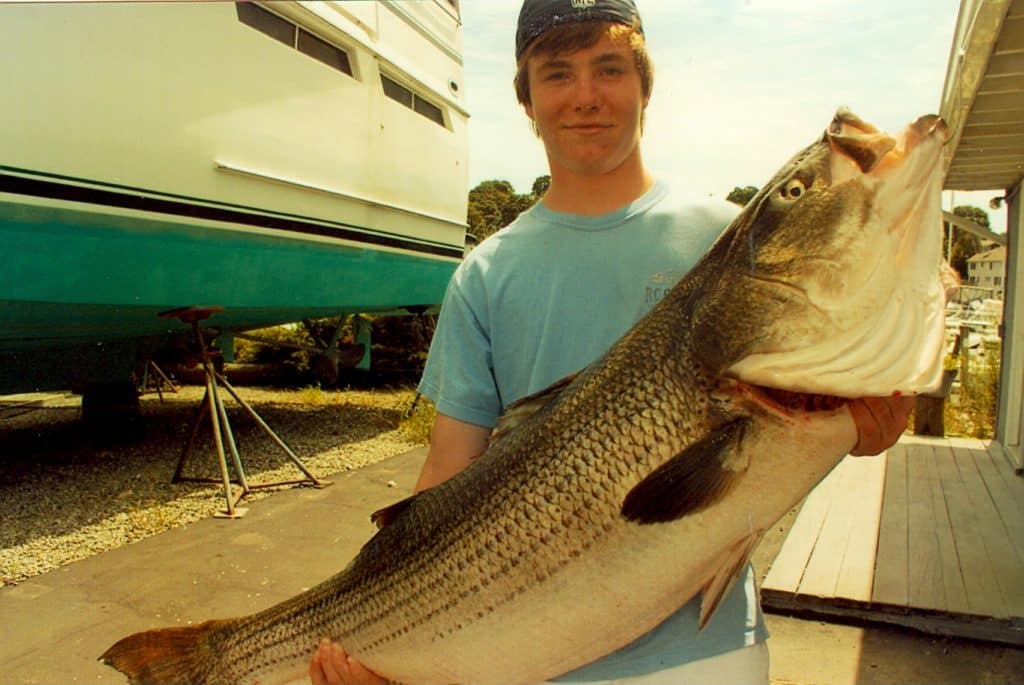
(153, 373)
(212, 405)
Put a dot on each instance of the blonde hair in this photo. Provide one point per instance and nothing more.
(572, 37)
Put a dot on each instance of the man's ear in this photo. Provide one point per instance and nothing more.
(528, 108)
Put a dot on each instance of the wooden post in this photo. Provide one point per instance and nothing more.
(963, 349)
(928, 419)
(928, 408)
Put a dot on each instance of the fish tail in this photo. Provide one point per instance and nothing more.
(167, 655)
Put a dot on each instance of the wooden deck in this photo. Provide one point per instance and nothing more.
(929, 535)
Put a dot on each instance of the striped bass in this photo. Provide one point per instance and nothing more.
(606, 502)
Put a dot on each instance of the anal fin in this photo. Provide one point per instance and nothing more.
(733, 562)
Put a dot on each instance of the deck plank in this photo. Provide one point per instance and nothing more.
(952, 578)
(950, 543)
(787, 570)
(822, 572)
(924, 563)
(891, 581)
(1006, 489)
(991, 497)
(969, 516)
(857, 575)
(945, 462)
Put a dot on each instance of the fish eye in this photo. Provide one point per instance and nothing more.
(793, 190)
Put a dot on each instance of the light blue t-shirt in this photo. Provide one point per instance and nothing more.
(548, 295)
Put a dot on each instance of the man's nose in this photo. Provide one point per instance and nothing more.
(588, 94)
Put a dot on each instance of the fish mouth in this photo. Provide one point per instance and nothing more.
(860, 148)
(790, 402)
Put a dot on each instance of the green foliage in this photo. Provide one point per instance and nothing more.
(975, 214)
(483, 216)
(401, 342)
(974, 412)
(495, 204)
(741, 196)
(399, 346)
(418, 419)
(965, 244)
(313, 395)
(540, 186)
(279, 346)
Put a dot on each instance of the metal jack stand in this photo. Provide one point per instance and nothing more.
(152, 372)
(213, 405)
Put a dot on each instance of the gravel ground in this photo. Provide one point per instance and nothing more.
(67, 495)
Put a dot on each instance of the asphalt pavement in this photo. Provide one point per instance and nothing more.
(55, 626)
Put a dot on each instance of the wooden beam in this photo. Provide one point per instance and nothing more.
(971, 227)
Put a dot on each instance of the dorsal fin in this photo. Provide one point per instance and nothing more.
(522, 409)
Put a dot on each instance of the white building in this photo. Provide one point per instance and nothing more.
(988, 270)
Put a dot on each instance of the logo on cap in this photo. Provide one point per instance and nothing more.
(582, 4)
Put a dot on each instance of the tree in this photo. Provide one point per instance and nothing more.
(482, 214)
(540, 186)
(965, 243)
(494, 204)
(741, 196)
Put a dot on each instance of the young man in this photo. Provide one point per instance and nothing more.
(550, 293)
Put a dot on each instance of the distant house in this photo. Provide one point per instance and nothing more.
(988, 270)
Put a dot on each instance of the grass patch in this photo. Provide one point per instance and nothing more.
(313, 394)
(417, 419)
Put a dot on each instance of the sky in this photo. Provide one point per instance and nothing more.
(739, 87)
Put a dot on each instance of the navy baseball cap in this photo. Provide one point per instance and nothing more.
(537, 16)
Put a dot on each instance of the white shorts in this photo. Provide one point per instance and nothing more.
(746, 666)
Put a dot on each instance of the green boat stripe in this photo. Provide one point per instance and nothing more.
(56, 190)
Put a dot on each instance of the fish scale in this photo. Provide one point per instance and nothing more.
(659, 465)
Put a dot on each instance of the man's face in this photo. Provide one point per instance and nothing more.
(587, 106)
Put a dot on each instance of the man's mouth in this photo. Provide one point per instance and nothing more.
(588, 128)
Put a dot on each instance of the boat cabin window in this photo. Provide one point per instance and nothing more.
(323, 51)
(450, 7)
(282, 30)
(400, 93)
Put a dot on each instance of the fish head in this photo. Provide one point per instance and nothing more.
(828, 282)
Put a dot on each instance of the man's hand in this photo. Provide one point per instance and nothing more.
(330, 665)
(880, 422)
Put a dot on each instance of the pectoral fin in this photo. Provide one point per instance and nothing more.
(694, 479)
